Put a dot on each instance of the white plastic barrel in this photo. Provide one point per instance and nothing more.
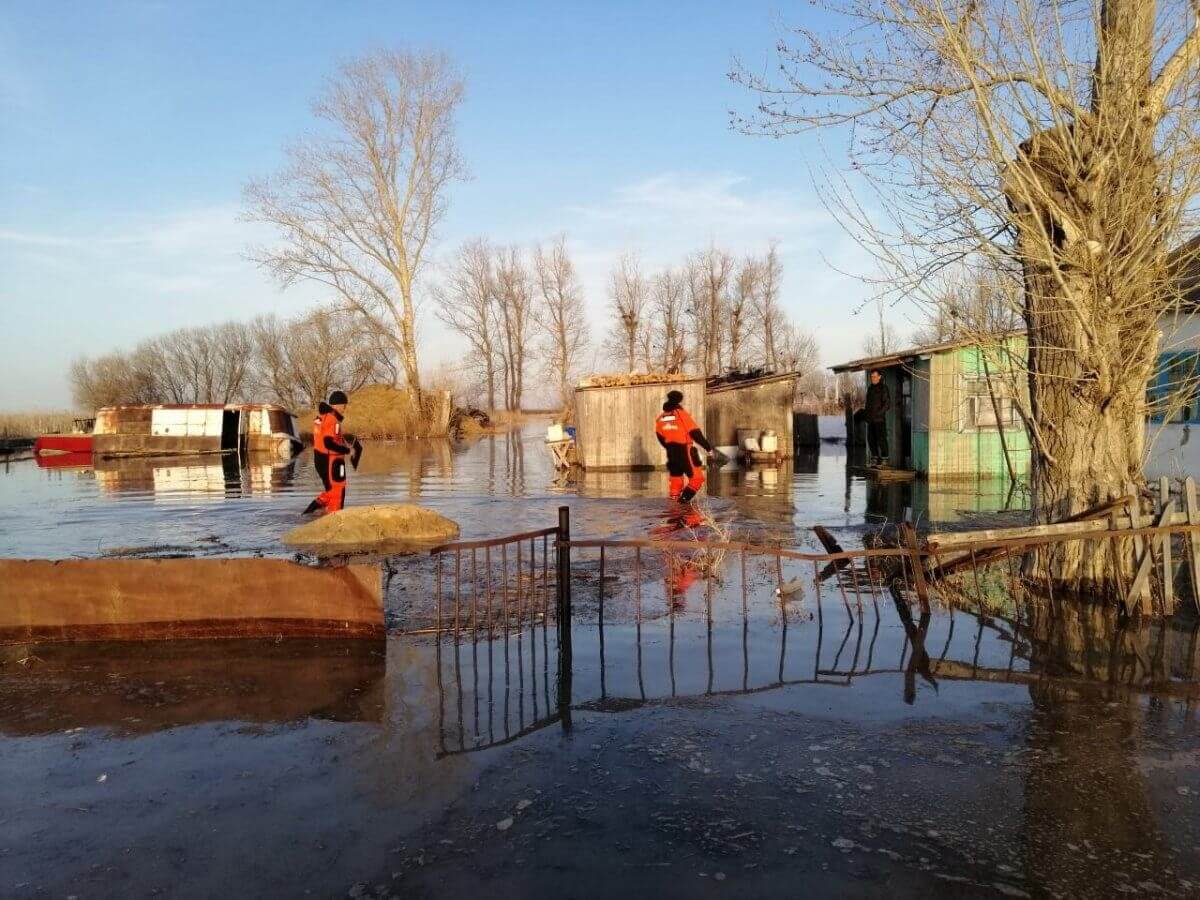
(748, 439)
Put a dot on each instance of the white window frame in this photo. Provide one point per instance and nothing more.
(977, 404)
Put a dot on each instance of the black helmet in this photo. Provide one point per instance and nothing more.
(675, 397)
(338, 398)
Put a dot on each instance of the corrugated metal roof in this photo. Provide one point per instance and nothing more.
(900, 356)
(750, 382)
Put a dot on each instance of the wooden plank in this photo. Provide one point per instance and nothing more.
(1168, 568)
(1193, 517)
(1141, 580)
(153, 599)
(908, 536)
(829, 542)
(1079, 523)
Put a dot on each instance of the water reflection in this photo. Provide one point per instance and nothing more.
(492, 483)
(167, 478)
(139, 688)
(842, 642)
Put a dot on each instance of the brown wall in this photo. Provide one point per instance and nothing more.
(616, 424)
(767, 405)
(121, 599)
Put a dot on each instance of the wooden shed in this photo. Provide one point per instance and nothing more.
(954, 407)
(615, 421)
(763, 403)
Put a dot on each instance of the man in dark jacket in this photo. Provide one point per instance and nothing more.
(875, 411)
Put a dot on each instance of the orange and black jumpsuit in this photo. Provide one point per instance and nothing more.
(329, 454)
(676, 430)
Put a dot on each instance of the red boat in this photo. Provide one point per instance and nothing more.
(75, 442)
(53, 444)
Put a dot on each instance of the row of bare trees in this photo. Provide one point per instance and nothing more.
(712, 314)
(295, 362)
(519, 311)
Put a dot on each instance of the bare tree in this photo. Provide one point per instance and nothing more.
(972, 303)
(883, 338)
(739, 310)
(109, 380)
(768, 316)
(561, 315)
(467, 304)
(668, 325)
(358, 205)
(514, 299)
(1059, 137)
(795, 349)
(628, 293)
(709, 274)
(298, 362)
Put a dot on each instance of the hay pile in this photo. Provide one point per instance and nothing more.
(364, 528)
(383, 412)
(627, 379)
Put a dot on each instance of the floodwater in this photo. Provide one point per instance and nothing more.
(489, 486)
(711, 740)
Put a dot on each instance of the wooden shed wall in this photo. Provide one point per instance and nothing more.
(616, 424)
(957, 451)
(761, 406)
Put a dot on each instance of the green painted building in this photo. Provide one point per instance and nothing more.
(953, 413)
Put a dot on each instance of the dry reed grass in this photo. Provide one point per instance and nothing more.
(707, 561)
(21, 426)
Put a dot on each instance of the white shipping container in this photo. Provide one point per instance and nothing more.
(168, 422)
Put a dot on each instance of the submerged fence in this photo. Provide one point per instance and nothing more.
(495, 675)
(505, 583)
(495, 599)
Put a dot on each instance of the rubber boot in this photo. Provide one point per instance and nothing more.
(311, 508)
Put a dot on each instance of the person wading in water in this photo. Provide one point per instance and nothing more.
(330, 449)
(676, 430)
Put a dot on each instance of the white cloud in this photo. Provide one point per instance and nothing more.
(702, 203)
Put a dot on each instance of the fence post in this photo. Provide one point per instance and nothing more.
(563, 550)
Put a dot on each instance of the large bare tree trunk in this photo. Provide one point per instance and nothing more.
(1084, 197)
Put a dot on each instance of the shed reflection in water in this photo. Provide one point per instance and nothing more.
(226, 475)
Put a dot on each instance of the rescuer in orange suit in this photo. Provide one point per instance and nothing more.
(677, 431)
(330, 449)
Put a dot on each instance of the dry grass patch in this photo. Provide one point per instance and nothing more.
(30, 425)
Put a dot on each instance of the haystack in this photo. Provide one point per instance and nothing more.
(366, 528)
(628, 379)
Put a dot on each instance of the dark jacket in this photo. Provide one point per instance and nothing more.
(879, 401)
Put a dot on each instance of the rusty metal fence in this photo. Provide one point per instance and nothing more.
(503, 583)
(501, 634)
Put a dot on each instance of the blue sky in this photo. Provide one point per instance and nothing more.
(128, 129)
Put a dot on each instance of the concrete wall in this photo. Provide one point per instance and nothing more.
(615, 425)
